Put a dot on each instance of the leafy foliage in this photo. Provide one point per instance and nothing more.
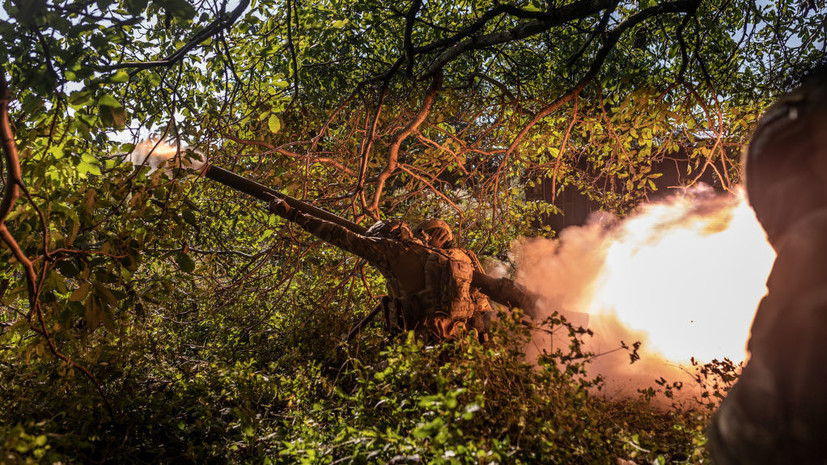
(150, 316)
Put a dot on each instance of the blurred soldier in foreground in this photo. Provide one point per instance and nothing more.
(777, 411)
(428, 281)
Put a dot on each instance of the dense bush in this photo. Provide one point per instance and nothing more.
(371, 402)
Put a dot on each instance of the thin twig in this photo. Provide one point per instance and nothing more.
(14, 184)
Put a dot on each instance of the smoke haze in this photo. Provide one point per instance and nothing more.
(158, 154)
(683, 277)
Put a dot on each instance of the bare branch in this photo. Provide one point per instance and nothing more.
(399, 137)
(282, 151)
(219, 24)
(546, 20)
(367, 141)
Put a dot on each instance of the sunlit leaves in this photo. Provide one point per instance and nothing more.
(88, 164)
(274, 123)
(120, 76)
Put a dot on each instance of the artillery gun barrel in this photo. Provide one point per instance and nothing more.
(262, 192)
(501, 290)
(506, 292)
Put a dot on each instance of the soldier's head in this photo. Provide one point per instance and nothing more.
(786, 163)
(390, 229)
(435, 233)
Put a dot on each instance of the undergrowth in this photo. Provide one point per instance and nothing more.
(375, 401)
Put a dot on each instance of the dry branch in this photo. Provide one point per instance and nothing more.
(399, 138)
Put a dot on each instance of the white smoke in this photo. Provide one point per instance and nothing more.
(158, 154)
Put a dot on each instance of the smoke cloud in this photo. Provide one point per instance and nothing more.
(159, 154)
(683, 277)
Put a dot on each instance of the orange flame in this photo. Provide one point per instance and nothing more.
(683, 277)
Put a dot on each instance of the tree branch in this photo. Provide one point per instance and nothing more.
(292, 50)
(11, 191)
(219, 24)
(367, 143)
(399, 137)
(545, 21)
(597, 31)
(483, 20)
(410, 17)
(282, 151)
(611, 40)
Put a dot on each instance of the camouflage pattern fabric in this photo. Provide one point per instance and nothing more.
(429, 289)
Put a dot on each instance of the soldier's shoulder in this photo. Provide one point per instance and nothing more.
(809, 235)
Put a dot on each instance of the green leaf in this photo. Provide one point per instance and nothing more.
(189, 217)
(84, 168)
(429, 429)
(185, 262)
(80, 98)
(106, 296)
(69, 269)
(120, 76)
(107, 100)
(179, 8)
(93, 313)
(131, 261)
(56, 151)
(80, 293)
(135, 7)
(94, 169)
(30, 10)
(32, 105)
(112, 117)
(274, 123)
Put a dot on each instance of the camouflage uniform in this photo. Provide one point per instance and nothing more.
(777, 411)
(450, 270)
(428, 288)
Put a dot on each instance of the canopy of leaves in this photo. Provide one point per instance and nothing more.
(151, 316)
